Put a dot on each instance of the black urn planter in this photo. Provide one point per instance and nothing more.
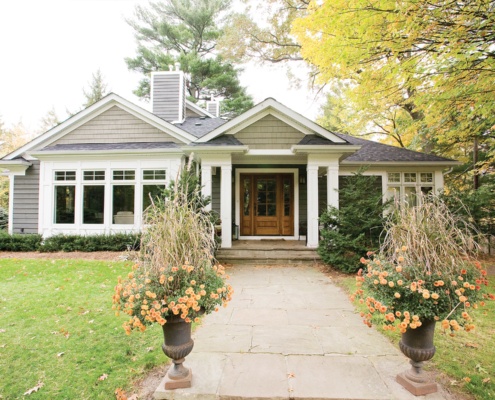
(177, 345)
(417, 344)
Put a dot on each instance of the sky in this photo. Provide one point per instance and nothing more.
(49, 50)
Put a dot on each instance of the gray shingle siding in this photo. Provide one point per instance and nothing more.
(26, 200)
(169, 102)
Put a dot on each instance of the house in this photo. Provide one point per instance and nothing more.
(269, 171)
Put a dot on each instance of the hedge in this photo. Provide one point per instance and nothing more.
(68, 243)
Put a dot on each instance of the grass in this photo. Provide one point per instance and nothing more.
(57, 327)
(467, 359)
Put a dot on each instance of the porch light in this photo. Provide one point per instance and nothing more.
(302, 179)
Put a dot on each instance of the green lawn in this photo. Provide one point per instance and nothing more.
(57, 327)
(467, 359)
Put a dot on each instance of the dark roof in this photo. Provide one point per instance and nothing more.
(315, 140)
(111, 146)
(223, 140)
(200, 126)
(373, 151)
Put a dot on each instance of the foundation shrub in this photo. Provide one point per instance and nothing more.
(18, 242)
(350, 231)
(114, 242)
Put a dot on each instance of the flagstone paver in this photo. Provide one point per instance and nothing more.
(291, 333)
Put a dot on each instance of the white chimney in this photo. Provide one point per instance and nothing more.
(168, 95)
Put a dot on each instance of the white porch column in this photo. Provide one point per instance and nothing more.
(312, 182)
(226, 205)
(438, 181)
(206, 183)
(333, 185)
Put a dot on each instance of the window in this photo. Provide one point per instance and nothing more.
(405, 185)
(394, 177)
(93, 204)
(94, 175)
(124, 175)
(123, 204)
(65, 175)
(154, 175)
(151, 192)
(409, 177)
(426, 177)
(65, 199)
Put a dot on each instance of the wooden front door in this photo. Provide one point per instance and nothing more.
(267, 204)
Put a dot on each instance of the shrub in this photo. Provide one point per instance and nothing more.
(355, 227)
(17, 242)
(113, 242)
(4, 219)
(476, 206)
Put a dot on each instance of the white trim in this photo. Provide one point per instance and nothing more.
(11, 205)
(96, 109)
(271, 106)
(401, 164)
(269, 152)
(237, 196)
(230, 149)
(14, 167)
(198, 109)
(327, 149)
(46, 224)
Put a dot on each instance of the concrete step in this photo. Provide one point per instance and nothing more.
(267, 256)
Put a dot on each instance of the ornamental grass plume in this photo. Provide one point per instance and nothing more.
(176, 273)
(426, 270)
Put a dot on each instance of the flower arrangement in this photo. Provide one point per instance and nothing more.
(186, 291)
(406, 295)
(175, 275)
(426, 270)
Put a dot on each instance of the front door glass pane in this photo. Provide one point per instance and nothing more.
(247, 195)
(287, 193)
(267, 197)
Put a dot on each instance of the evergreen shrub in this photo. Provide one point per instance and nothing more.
(353, 229)
(18, 242)
(113, 242)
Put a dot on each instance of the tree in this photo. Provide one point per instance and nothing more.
(187, 32)
(354, 228)
(10, 139)
(97, 89)
(263, 32)
(49, 121)
(432, 61)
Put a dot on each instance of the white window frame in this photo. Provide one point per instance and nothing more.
(406, 181)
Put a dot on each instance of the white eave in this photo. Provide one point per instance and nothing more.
(278, 110)
(215, 149)
(94, 110)
(325, 149)
(198, 109)
(14, 167)
(57, 154)
(402, 163)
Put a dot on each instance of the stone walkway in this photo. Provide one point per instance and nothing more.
(290, 333)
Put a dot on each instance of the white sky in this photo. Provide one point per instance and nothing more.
(49, 50)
